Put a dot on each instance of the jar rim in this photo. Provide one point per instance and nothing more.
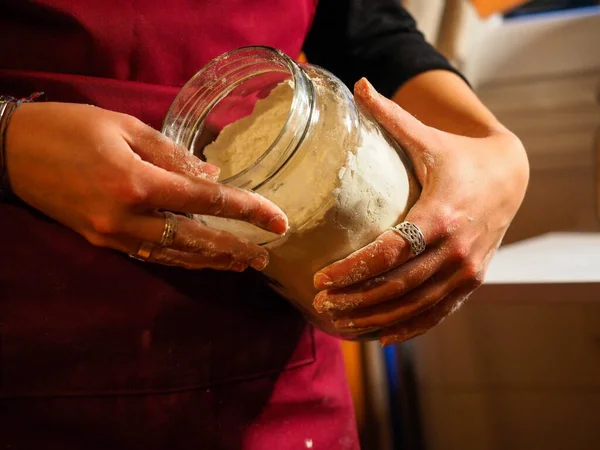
(303, 93)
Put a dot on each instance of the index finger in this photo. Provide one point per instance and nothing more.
(178, 193)
(156, 148)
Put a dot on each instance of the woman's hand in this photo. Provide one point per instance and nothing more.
(106, 175)
(471, 190)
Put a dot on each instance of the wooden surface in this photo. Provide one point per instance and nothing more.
(510, 372)
(598, 169)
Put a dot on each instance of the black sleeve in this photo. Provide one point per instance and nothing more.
(377, 39)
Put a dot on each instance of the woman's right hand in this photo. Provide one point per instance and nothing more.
(107, 175)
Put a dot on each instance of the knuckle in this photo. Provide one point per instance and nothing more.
(96, 239)
(478, 279)
(459, 251)
(131, 192)
(447, 220)
(130, 122)
(217, 200)
(103, 225)
(471, 272)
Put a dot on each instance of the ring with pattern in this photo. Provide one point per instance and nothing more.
(413, 235)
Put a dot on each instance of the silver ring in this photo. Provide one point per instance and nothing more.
(170, 230)
(413, 235)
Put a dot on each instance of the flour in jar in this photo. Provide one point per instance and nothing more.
(340, 192)
(243, 142)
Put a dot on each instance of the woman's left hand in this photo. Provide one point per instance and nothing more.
(471, 190)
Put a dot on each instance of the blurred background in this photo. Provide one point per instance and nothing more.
(518, 368)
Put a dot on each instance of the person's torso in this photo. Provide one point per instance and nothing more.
(110, 52)
(99, 350)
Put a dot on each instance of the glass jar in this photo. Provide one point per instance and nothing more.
(340, 179)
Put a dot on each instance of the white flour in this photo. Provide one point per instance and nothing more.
(340, 191)
(243, 142)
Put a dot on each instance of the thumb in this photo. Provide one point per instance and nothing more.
(408, 131)
(157, 149)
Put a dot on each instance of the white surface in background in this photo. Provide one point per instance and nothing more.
(550, 258)
(542, 45)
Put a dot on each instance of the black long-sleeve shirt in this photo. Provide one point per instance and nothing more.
(377, 39)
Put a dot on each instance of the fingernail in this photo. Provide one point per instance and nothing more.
(322, 281)
(399, 337)
(260, 262)
(386, 341)
(344, 323)
(278, 224)
(322, 303)
(365, 88)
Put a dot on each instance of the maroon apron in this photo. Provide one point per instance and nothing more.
(98, 351)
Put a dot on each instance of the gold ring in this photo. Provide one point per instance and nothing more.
(144, 251)
(170, 230)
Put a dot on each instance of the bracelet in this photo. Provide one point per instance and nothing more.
(8, 105)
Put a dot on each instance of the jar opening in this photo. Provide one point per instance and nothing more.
(226, 91)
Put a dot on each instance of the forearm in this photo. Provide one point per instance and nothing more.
(442, 100)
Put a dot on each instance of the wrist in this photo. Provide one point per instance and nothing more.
(510, 150)
(8, 105)
(442, 100)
